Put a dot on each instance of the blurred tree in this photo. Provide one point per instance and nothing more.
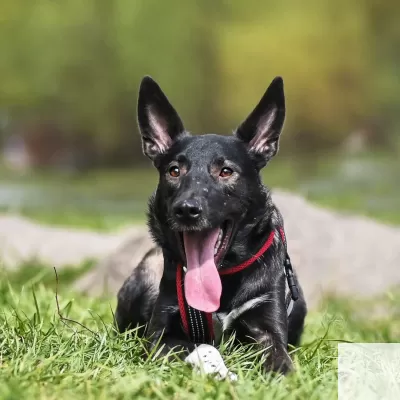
(78, 64)
(318, 48)
(384, 86)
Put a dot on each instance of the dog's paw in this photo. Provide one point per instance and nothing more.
(207, 359)
(280, 364)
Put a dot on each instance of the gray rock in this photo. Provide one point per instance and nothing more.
(23, 240)
(338, 253)
(110, 273)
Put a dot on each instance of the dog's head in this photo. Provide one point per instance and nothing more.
(209, 184)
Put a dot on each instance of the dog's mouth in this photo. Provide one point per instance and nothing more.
(203, 251)
(221, 245)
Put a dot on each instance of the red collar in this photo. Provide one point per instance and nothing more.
(202, 319)
(251, 260)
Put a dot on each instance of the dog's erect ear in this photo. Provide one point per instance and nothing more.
(261, 130)
(159, 123)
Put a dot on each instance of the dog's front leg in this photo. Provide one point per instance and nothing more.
(266, 325)
(165, 329)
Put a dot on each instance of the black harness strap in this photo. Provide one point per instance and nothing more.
(197, 324)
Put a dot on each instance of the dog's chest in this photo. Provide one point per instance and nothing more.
(223, 321)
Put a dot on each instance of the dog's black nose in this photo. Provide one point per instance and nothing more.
(188, 210)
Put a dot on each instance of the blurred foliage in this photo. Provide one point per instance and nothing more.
(78, 64)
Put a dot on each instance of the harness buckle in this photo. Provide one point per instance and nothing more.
(294, 290)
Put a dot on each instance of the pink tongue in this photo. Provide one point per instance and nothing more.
(202, 282)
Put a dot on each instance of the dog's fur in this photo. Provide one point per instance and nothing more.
(253, 301)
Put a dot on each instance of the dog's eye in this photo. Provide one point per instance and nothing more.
(225, 172)
(174, 171)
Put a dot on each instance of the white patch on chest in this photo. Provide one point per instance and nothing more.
(227, 319)
(223, 321)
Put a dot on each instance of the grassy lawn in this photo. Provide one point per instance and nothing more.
(42, 356)
(45, 357)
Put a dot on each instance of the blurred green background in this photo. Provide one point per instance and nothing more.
(70, 71)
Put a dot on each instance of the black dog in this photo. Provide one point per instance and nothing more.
(221, 254)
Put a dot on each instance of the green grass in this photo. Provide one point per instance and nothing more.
(33, 272)
(45, 357)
